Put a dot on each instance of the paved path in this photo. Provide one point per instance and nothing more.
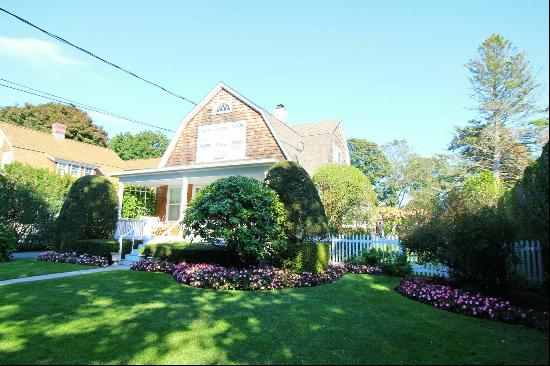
(65, 274)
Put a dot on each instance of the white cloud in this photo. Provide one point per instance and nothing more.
(35, 51)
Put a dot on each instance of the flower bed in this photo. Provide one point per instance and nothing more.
(462, 302)
(86, 259)
(153, 265)
(249, 279)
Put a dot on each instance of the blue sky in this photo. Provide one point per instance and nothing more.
(388, 69)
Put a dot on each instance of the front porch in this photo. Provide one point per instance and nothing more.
(175, 188)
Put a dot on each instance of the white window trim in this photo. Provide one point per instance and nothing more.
(6, 158)
(337, 154)
(78, 172)
(173, 204)
(65, 166)
(205, 155)
(217, 105)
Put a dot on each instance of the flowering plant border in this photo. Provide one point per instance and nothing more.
(248, 279)
(84, 259)
(446, 297)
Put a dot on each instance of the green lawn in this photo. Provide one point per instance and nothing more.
(138, 317)
(30, 267)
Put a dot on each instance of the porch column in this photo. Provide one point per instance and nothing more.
(120, 198)
(183, 203)
(184, 186)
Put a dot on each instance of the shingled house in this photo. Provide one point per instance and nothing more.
(54, 152)
(227, 134)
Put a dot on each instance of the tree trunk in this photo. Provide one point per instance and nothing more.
(497, 154)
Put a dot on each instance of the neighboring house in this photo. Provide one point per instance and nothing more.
(227, 134)
(64, 156)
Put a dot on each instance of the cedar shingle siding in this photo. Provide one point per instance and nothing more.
(260, 143)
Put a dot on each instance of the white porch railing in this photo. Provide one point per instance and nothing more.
(136, 227)
(130, 229)
(344, 247)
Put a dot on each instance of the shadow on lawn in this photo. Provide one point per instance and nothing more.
(137, 317)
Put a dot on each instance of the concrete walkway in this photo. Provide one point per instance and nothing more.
(65, 274)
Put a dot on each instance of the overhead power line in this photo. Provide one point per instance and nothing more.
(56, 98)
(63, 40)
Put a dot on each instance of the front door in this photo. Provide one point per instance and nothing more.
(173, 207)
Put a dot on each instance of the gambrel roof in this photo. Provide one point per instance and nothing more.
(304, 143)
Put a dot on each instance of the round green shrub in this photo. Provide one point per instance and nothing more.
(305, 214)
(89, 211)
(346, 193)
(240, 213)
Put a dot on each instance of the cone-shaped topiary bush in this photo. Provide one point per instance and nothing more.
(89, 211)
(304, 210)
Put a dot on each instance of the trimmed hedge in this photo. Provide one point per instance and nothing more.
(308, 257)
(89, 211)
(96, 247)
(305, 214)
(191, 253)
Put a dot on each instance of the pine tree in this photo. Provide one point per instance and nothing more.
(505, 91)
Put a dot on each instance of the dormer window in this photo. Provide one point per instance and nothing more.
(222, 107)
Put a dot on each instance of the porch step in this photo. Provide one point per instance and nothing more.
(134, 256)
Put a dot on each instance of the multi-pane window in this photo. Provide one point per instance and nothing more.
(224, 141)
(62, 168)
(75, 170)
(174, 203)
(221, 107)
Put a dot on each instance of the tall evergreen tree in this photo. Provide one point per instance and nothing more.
(505, 91)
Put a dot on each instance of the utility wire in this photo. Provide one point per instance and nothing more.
(60, 39)
(55, 98)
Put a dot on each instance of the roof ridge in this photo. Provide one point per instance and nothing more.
(49, 134)
(284, 123)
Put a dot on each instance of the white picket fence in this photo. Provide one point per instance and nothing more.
(344, 247)
(530, 264)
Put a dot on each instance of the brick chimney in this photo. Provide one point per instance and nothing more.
(58, 131)
(280, 112)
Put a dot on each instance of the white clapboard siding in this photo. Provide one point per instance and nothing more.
(344, 247)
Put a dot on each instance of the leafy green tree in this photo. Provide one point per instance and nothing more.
(31, 198)
(368, 157)
(346, 193)
(7, 242)
(505, 90)
(305, 214)
(41, 117)
(241, 213)
(528, 203)
(469, 231)
(89, 211)
(143, 145)
(413, 176)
